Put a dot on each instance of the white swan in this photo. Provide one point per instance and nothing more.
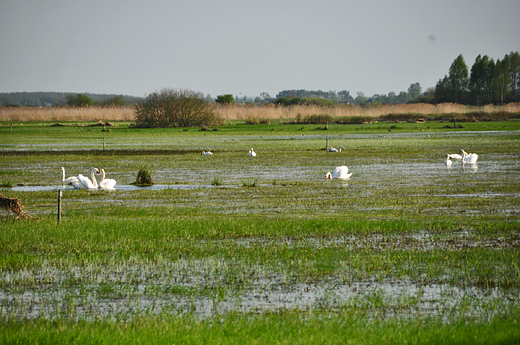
(106, 183)
(339, 173)
(252, 153)
(86, 183)
(448, 162)
(68, 180)
(333, 149)
(453, 156)
(207, 153)
(470, 158)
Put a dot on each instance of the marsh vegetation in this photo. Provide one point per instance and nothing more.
(406, 248)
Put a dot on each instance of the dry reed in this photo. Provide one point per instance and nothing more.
(12, 205)
(88, 114)
(248, 112)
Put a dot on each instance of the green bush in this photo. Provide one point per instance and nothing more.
(225, 99)
(79, 101)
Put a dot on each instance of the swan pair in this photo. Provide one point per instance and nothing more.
(252, 153)
(470, 158)
(466, 158)
(339, 173)
(84, 182)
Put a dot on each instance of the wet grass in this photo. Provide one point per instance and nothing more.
(286, 327)
(405, 244)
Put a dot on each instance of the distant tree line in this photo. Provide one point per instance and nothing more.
(51, 99)
(487, 82)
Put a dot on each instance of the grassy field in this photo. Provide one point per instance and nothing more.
(406, 251)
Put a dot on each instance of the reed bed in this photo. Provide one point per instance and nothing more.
(248, 112)
(69, 114)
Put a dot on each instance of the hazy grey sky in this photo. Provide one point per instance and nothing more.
(246, 47)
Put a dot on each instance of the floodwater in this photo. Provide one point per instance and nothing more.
(124, 290)
(433, 300)
(116, 187)
(195, 286)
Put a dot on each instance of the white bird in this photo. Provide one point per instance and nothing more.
(448, 162)
(453, 156)
(207, 153)
(332, 149)
(106, 183)
(86, 183)
(68, 180)
(470, 158)
(252, 153)
(339, 173)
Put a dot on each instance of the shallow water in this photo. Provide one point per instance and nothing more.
(116, 188)
(195, 286)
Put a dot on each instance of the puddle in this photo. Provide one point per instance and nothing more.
(116, 188)
(177, 290)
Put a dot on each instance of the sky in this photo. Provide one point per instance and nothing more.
(244, 47)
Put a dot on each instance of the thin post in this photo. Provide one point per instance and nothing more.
(60, 193)
(103, 143)
(11, 126)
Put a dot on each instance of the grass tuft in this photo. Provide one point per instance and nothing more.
(144, 176)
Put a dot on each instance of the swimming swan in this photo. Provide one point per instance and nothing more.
(448, 162)
(84, 182)
(453, 156)
(68, 180)
(106, 183)
(252, 153)
(470, 158)
(339, 173)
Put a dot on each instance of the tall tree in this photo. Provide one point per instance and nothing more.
(490, 93)
(501, 79)
(478, 78)
(514, 75)
(442, 91)
(414, 90)
(458, 79)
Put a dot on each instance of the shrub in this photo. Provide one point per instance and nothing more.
(175, 108)
(79, 101)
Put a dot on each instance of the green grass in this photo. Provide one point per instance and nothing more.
(284, 328)
(404, 251)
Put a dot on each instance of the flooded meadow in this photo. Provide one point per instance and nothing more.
(405, 237)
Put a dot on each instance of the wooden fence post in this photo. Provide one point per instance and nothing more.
(60, 193)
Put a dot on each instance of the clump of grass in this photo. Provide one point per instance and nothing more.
(257, 120)
(144, 176)
(8, 184)
(217, 181)
(250, 183)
